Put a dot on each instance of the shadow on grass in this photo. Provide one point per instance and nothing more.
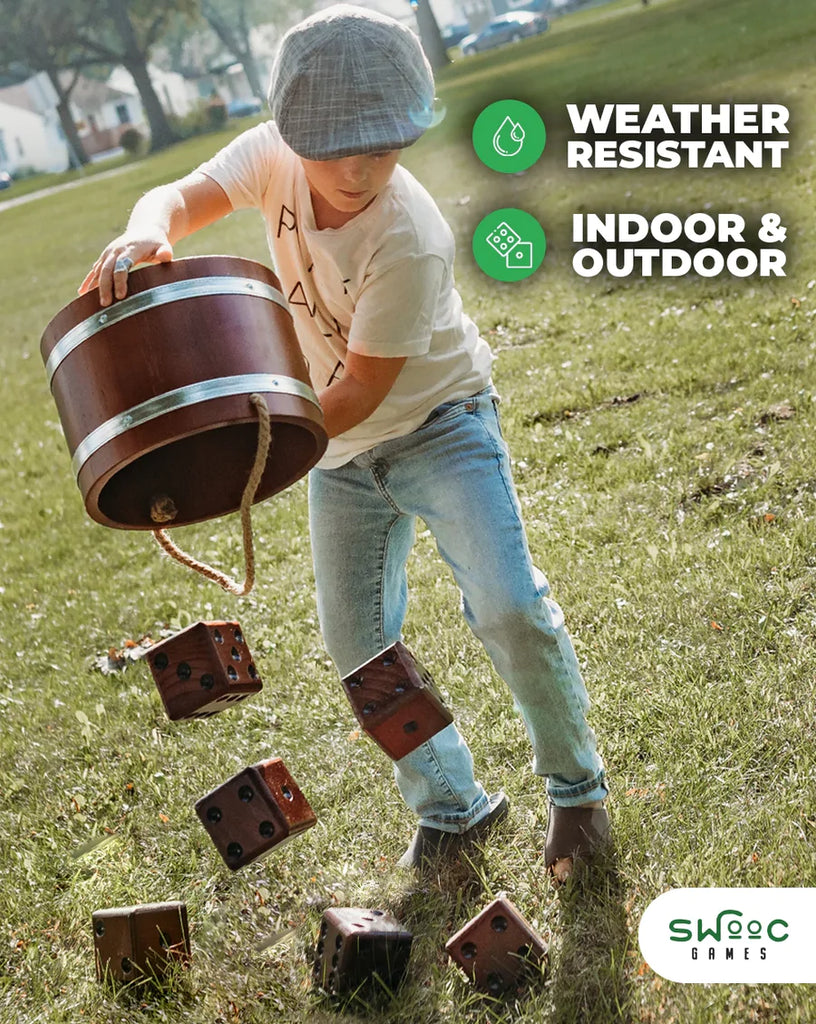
(582, 982)
(150, 994)
(443, 899)
(589, 981)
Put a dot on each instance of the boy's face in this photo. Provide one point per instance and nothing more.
(350, 183)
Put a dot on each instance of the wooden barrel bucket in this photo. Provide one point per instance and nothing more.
(153, 391)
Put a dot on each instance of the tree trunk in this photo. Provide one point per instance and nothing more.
(430, 35)
(161, 134)
(236, 39)
(251, 72)
(77, 157)
(135, 60)
(245, 54)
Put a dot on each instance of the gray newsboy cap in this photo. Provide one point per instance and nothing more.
(348, 80)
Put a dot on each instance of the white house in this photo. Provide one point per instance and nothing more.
(30, 134)
(176, 95)
(102, 112)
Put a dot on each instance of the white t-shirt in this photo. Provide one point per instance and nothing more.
(380, 285)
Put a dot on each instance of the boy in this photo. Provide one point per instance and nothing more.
(403, 378)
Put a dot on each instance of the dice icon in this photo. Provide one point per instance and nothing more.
(355, 944)
(496, 947)
(204, 669)
(503, 238)
(521, 258)
(259, 808)
(138, 944)
(396, 701)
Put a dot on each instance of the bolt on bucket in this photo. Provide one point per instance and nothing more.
(153, 392)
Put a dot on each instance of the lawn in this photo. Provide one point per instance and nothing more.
(661, 432)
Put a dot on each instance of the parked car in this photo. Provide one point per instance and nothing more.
(244, 107)
(5, 179)
(454, 34)
(506, 28)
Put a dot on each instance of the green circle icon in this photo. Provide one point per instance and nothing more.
(509, 244)
(509, 136)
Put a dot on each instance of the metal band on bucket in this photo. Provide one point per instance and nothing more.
(159, 296)
(190, 394)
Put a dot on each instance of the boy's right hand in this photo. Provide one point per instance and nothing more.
(110, 271)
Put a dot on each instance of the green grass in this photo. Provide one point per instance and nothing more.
(662, 443)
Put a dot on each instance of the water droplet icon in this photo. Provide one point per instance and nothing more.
(509, 137)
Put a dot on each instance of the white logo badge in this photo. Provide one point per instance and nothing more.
(731, 935)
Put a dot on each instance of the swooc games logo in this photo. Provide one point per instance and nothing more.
(731, 935)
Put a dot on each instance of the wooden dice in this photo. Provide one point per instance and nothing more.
(396, 702)
(204, 669)
(135, 944)
(257, 809)
(496, 947)
(355, 944)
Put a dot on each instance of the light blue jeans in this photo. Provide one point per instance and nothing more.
(454, 473)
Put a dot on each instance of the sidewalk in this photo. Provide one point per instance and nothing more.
(7, 204)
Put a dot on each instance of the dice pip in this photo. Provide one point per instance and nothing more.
(496, 947)
(137, 944)
(396, 701)
(257, 809)
(355, 944)
(204, 669)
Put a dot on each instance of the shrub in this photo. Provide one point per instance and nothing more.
(194, 122)
(24, 171)
(132, 140)
(217, 112)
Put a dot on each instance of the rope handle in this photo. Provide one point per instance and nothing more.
(160, 513)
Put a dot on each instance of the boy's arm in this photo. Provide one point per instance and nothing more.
(397, 307)
(366, 382)
(158, 220)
